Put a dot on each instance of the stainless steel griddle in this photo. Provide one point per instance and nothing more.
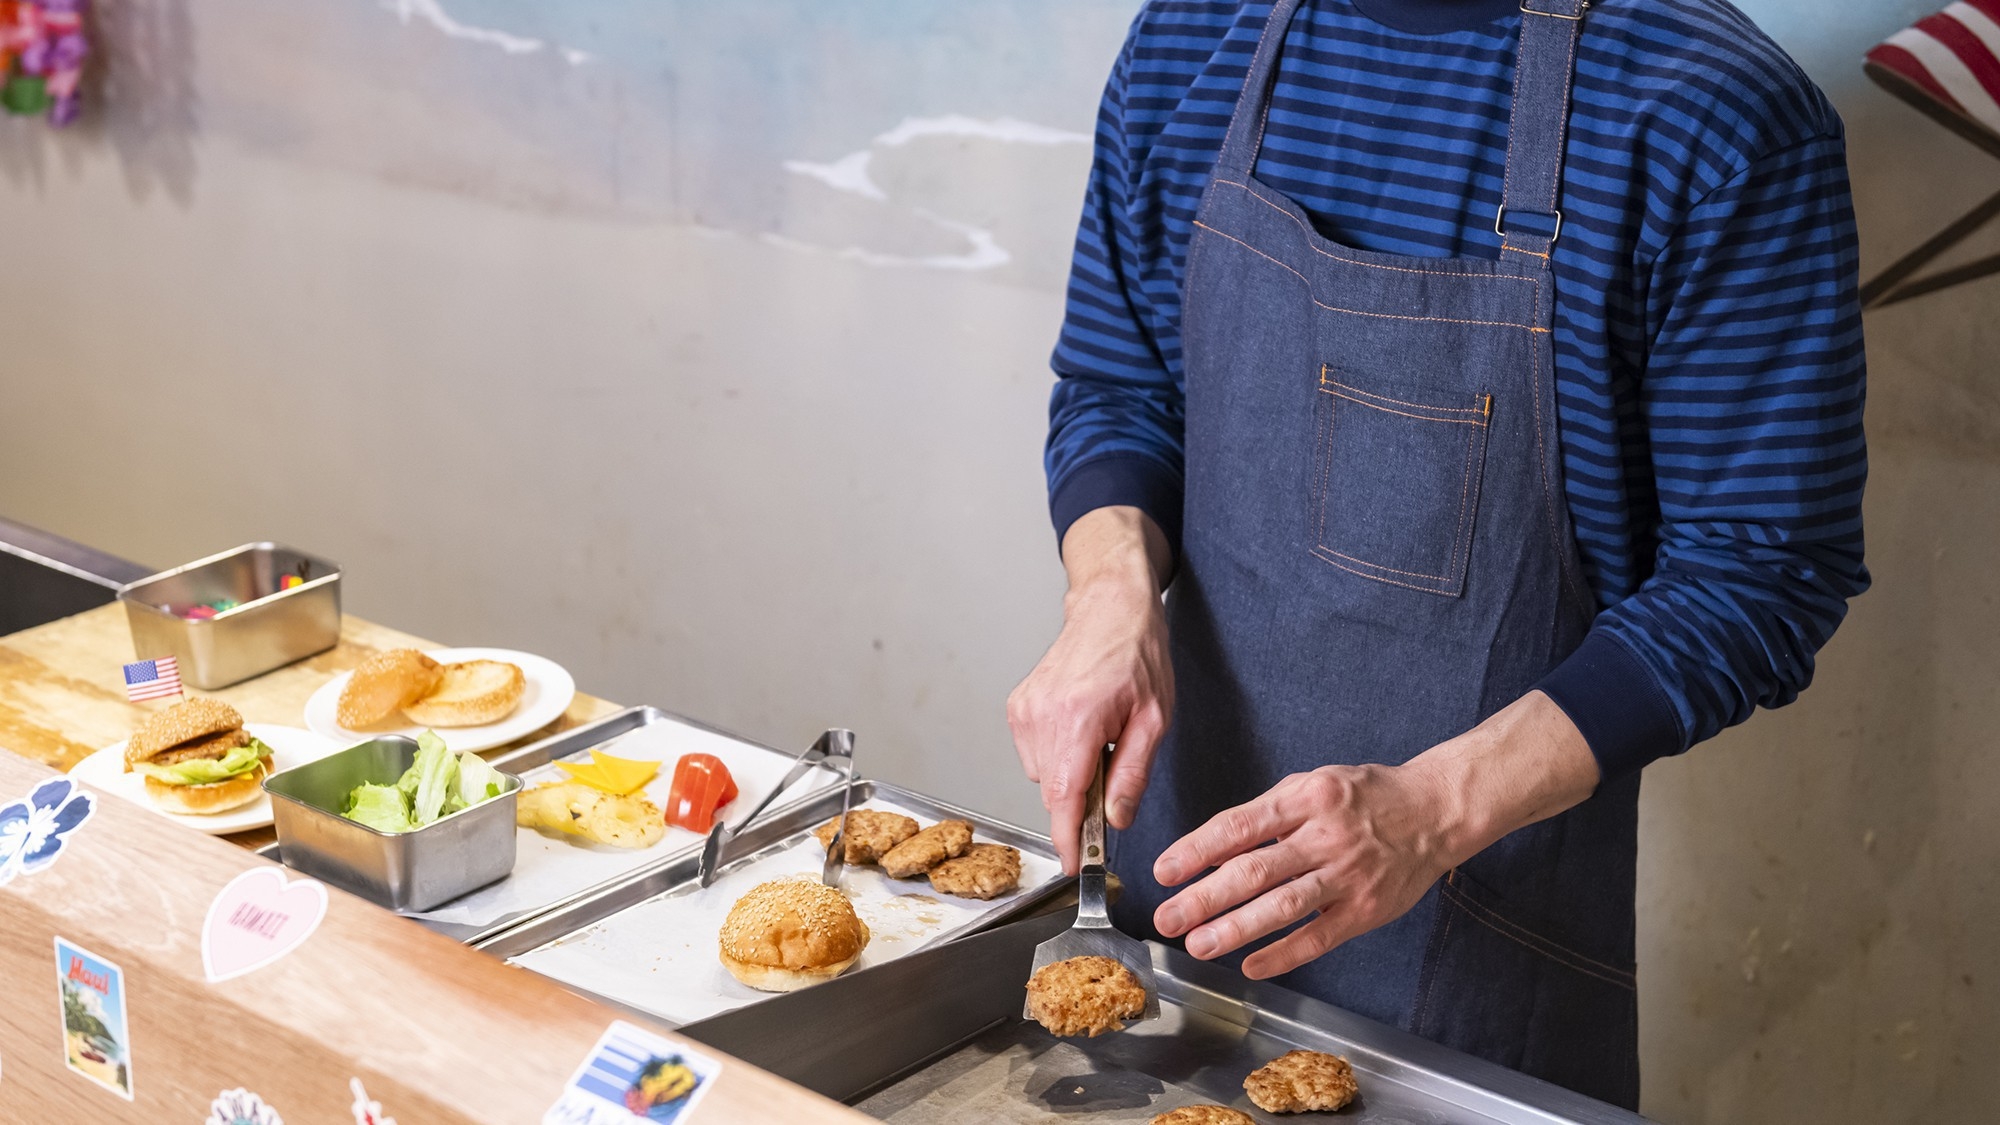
(937, 1037)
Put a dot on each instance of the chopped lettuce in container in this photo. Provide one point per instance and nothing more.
(437, 784)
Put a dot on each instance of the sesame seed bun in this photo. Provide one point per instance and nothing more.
(791, 934)
(183, 722)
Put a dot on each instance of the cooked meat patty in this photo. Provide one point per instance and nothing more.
(925, 850)
(1302, 1082)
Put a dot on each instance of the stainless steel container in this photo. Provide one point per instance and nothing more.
(269, 627)
(400, 870)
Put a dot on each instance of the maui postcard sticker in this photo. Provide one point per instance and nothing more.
(633, 1074)
(366, 1110)
(97, 1041)
(34, 830)
(241, 1107)
(257, 918)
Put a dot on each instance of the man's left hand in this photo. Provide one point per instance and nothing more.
(1359, 845)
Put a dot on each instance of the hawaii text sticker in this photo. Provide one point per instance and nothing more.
(97, 1040)
(634, 1074)
(259, 917)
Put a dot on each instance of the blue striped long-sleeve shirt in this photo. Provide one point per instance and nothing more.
(1707, 333)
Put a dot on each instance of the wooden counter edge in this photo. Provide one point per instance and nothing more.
(434, 1031)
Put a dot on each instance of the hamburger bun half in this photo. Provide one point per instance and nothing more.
(191, 720)
(791, 934)
(384, 683)
(215, 797)
(469, 695)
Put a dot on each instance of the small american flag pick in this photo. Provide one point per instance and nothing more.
(152, 679)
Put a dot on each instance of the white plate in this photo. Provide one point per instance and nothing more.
(290, 747)
(548, 694)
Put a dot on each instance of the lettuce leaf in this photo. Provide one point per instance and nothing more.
(437, 784)
(381, 807)
(436, 770)
(476, 781)
(207, 771)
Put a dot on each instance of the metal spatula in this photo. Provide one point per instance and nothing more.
(834, 749)
(1092, 934)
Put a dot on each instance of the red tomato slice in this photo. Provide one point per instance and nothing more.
(701, 786)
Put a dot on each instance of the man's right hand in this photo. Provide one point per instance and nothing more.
(1107, 678)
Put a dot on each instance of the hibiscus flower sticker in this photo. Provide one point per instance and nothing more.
(33, 831)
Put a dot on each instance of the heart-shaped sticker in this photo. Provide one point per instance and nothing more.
(259, 917)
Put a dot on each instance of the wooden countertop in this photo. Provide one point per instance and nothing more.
(434, 1031)
(62, 697)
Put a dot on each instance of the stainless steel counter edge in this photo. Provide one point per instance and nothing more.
(1225, 994)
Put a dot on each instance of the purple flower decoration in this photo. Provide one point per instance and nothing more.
(33, 831)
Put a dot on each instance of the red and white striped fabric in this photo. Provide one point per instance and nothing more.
(1954, 57)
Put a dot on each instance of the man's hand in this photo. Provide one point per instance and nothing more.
(1360, 845)
(1107, 679)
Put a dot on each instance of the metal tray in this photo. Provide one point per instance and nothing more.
(775, 834)
(574, 741)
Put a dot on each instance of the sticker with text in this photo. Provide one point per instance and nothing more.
(366, 1111)
(35, 829)
(241, 1107)
(633, 1074)
(259, 917)
(97, 1040)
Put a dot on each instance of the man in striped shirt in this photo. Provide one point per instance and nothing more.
(1317, 738)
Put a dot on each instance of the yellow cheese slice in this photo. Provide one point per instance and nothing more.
(612, 774)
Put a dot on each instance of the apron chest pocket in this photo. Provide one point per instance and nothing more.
(1397, 483)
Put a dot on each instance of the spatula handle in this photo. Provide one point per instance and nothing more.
(1092, 839)
(1090, 891)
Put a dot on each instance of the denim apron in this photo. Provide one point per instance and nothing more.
(1377, 556)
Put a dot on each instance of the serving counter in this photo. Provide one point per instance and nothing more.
(462, 1018)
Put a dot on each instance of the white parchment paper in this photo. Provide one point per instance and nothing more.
(660, 955)
(548, 868)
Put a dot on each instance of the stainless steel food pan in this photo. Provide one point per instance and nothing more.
(269, 628)
(400, 870)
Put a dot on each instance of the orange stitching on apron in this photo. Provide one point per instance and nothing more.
(1362, 312)
(1390, 569)
(1430, 985)
(1563, 566)
(1529, 253)
(1254, 194)
(1321, 551)
(1326, 382)
(1541, 449)
(1324, 437)
(1404, 414)
(1520, 936)
(1460, 541)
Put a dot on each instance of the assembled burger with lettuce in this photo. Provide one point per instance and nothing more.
(197, 758)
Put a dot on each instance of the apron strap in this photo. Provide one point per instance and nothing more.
(1544, 69)
(1246, 124)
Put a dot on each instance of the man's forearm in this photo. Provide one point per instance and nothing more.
(1526, 763)
(1115, 551)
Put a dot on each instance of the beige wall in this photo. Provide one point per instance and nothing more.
(550, 355)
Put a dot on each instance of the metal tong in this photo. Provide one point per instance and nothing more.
(834, 749)
(1092, 935)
